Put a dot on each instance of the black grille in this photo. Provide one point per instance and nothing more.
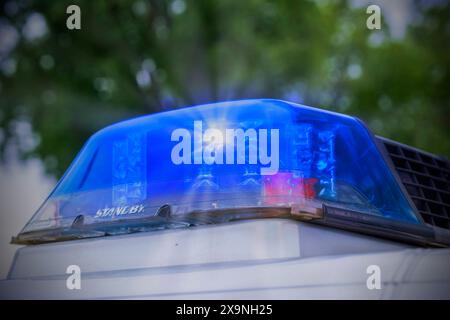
(426, 179)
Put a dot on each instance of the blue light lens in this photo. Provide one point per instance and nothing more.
(225, 155)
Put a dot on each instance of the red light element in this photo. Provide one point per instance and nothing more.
(284, 186)
(308, 187)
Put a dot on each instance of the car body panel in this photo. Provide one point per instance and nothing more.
(255, 259)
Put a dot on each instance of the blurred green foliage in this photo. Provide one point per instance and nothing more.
(135, 57)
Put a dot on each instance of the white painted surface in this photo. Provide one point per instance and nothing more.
(245, 241)
(258, 259)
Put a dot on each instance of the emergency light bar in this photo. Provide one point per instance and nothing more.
(227, 161)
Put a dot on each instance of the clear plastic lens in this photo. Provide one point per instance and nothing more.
(253, 153)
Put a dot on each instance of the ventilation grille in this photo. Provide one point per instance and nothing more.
(426, 179)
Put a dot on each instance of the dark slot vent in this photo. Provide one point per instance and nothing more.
(426, 179)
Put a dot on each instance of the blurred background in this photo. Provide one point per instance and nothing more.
(135, 57)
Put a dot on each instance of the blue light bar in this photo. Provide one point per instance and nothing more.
(240, 154)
